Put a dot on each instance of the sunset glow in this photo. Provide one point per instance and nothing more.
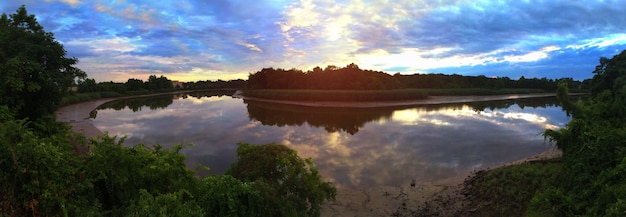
(210, 40)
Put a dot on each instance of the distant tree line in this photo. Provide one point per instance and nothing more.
(89, 85)
(219, 84)
(154, 83)
(352, 77)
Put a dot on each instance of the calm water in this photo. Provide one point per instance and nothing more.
(356, 148)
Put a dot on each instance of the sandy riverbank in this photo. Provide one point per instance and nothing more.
(431, 100)
(374, 201)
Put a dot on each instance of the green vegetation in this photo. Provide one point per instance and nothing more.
(291, 185)
(42, 176)
(34, 72)
(354, 84)
(45, 172)
(588, 180)
(87, 89)
(507, 191)
(352, 77)
(42, 173)
(594, 150)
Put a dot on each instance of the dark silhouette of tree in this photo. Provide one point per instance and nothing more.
(134, 84)
(87, 86)
(352, 77)
(607, 73)
(158, 83)
(34, 71)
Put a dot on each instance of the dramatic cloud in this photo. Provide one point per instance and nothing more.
(199, 40)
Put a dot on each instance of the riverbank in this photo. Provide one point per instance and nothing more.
(78, 115)
(443, 195)
(375, 201)
(431, 100)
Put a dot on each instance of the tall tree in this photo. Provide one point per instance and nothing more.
(34, 72)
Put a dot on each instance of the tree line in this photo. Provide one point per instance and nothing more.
(153, 83)
(48, 170)
(351, 77)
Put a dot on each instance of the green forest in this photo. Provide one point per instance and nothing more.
(43, 173)
(351, 77)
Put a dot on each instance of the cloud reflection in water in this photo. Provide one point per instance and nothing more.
(352, 147)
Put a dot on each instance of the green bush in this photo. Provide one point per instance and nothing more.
(119, 172)
(41, 176)
(291, 186)
(176, 204)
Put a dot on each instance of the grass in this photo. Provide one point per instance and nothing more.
(507, 191)
(375, 95)
(504, 191)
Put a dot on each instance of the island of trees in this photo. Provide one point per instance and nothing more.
(351, 83)
(351, 77)
(43, 173)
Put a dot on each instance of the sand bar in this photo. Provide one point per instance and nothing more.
(431, 100)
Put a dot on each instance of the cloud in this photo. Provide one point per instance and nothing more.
(408, 36)
(250, 46)
(602, 42)
(119, 45)
(72, 3)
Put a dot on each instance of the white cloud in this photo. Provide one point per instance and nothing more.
(117, 44)
(250, 46)
(613, 39)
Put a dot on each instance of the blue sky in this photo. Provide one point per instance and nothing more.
(219, 39)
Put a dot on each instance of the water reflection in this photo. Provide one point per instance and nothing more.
(350, 120)
(331, 119)
(137, 104)
(354, 148)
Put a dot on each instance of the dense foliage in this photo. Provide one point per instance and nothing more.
(44, 171)
(352, 77)
(588, 180)
(291, 185)
(42, 176)
(34, 72)
(154, 83)
(594, 150)
(219, 84)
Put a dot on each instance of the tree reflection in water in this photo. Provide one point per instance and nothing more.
(351, 120)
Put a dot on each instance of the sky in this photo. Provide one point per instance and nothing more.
(189, 40)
